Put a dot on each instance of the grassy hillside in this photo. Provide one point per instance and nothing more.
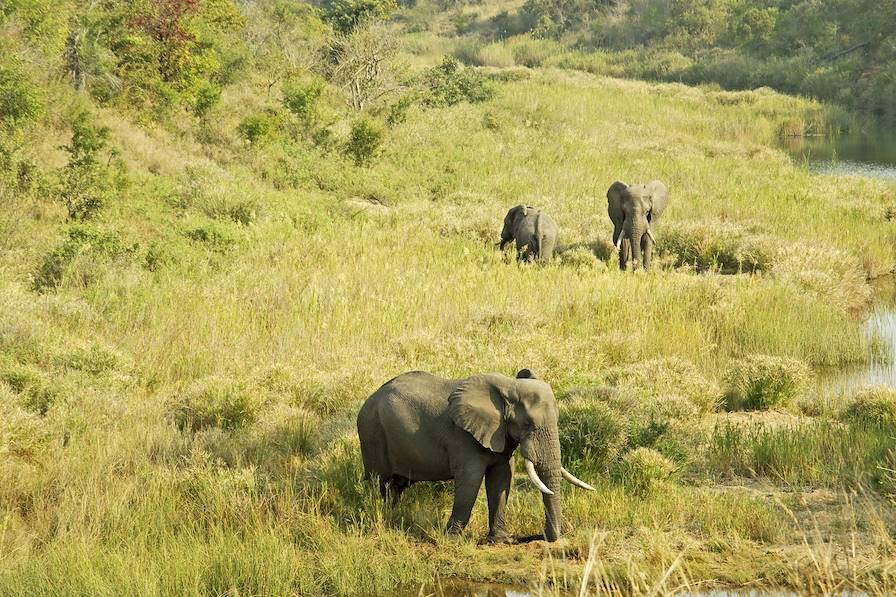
(839, 51)
(181, 360)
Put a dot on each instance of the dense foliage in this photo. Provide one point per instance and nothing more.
(843, 50)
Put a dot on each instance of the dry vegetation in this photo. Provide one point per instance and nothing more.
(179, 375)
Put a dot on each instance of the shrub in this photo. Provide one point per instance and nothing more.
(207, 97)
(591, 434)
(216, 402)
(721, 246)
(94, 359)
(581, 257)
(257, 128)
(467, 52)
(874, 406)
(20, 100)
(32, 388)
(497, 55)
(86, 183)
(285, 430)
(346, 15)
(22, 434)
(534, 52)
(301, 99)
(761, 382)
(447, 84)
(364, 140)
(656, 378)
(643, 470)
(82, 256)
(213, 235)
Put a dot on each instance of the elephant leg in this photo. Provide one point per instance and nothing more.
(497, 489)
(646, 251)
(392, 487)
(623, 254)
(466, 488)
(397, 487)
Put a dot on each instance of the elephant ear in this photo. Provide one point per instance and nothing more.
(477, 406)
(614, 203)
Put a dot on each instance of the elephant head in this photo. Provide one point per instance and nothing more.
(502, 413)
(511, 220)
(633, 208)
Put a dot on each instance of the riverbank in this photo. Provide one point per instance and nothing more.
(178, 402)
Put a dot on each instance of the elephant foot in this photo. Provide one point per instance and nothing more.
(498, 539)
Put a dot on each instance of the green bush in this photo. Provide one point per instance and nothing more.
(34, 390)
(81, 258)
(216, 402)
(23, 434)
(213, 235)
(873, 406)
(497, 55)
(346, 15)
(364, 141)
(301, 99)
(669, 376)
(592, 434)
(92, 359)
(448, 84)
(643, 470)
(534, 52)
(20, 100)
(720, 246)
(466, 51)
(761, 382)
(207, 97)
(258, 128)
(285, 430)
(581, 257)
(88, 181)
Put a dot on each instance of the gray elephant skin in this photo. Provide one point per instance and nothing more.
(421, 427)
(636, 211)
(534, 232)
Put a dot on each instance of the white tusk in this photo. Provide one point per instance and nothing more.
(574, 480)
(619, 243)
(533, 476)
(650, 234)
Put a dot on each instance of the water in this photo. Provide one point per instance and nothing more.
(871, 154)
(880, 329)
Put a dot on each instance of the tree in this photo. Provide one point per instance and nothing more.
(347, 15)
(363, 63)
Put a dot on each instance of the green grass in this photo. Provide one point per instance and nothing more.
(178, 412)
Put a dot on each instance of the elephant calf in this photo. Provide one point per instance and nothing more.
(534, 232)
(420, 427)
(635, 210)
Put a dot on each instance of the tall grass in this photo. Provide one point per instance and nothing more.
(179, 419)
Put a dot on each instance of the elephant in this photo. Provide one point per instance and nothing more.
(635, 211)
(534, 232)
(421, 427)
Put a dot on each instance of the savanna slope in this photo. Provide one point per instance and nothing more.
(199, 288)
(840, 51)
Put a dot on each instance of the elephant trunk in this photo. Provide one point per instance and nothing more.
(544, 454)
(506, 236)
(635, 233)
(553, 510)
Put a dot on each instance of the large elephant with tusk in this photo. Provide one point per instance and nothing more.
(635, 211)
(420, 427)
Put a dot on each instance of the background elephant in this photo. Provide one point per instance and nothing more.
(420, 427)
(534, 231)
(635, 211)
